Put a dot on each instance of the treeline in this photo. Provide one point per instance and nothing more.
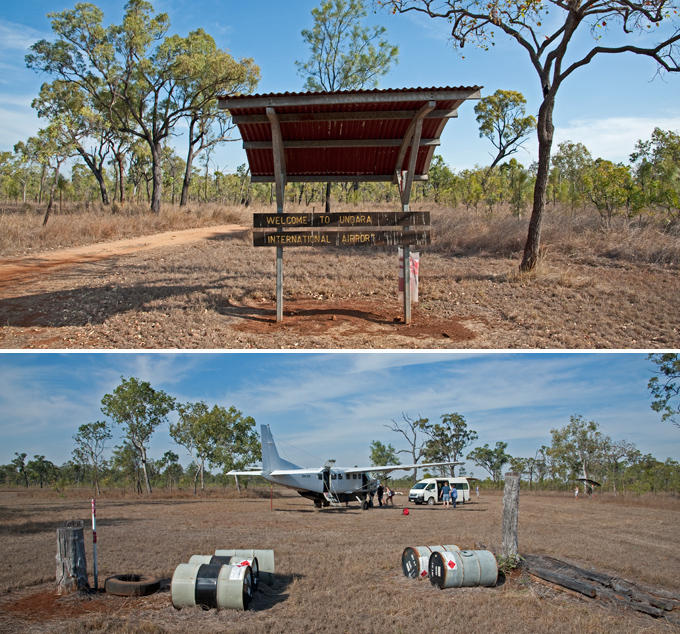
(212, 437)
(649, 187)
(579, 455)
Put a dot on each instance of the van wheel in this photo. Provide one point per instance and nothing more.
(430, 501)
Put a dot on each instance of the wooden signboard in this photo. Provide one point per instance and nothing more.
(347, 238)
(363, 219)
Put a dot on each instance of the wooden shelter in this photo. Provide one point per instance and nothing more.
(345, 136)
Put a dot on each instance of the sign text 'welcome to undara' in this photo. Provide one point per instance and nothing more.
(292, 229)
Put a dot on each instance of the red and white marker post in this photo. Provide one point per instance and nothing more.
(94, 544)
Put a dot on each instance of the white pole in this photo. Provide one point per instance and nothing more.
(94, 544)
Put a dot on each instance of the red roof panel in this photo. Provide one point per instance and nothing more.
(343, 116)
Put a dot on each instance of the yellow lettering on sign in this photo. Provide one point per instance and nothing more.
(286, 221)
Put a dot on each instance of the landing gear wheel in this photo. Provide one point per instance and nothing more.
(132, 585)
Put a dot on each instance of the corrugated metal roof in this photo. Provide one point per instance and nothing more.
(344, 135)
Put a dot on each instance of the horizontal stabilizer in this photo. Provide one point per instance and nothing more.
(257, 472)
(285, 472)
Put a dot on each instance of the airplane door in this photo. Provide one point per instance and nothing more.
(326, 480)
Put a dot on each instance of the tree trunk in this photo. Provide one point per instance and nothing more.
(157, 178)
(545, 130)
(98, 174)
(71, 562)
(510, 515)
(121, 177)
(328, 198)
(184, 199)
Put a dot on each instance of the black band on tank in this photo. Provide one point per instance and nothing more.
(222, 560)
(206, 585)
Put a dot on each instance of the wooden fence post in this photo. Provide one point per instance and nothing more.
(510, 515)
(71, 562)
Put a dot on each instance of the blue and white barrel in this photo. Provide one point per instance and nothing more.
(211, 586)
(463, 569)
(415, 559)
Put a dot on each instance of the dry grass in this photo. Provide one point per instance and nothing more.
(22, 231)
(338, 570)
(593, 288)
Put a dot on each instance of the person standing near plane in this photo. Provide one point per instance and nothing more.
(446, 494)
(380, 493)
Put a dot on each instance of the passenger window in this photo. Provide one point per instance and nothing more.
(339, 476)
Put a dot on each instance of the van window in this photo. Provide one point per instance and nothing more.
(430, 487)
(420, 485)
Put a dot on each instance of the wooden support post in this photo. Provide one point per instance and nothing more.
(280, 179)
(71, 562)
(510, 515)
(405, 181)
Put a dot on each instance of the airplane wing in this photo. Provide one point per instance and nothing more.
(395, 467)
(276, 472)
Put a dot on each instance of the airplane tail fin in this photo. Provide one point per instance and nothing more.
(271, 461)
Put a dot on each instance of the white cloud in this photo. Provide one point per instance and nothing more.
(613, 139)
(19, 37)
(17, 125)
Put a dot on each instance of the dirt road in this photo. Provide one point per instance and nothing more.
(21, 269)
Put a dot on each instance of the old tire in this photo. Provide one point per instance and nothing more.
(132, 585)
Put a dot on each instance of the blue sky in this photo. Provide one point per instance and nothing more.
(324, 406)
(607, 105)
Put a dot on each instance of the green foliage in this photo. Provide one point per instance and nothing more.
(448, 439)
(382, 455)
(657, 170)
(665, 387)
(139, 409)
(492, 460)
(609, 187)
(344, 54)
(577, 448)
(91, 442)
(503, 120)
(144, 81)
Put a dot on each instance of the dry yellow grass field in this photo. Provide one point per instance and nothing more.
(338, 569)
(594, 287)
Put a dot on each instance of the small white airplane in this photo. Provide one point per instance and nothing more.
(324, 485)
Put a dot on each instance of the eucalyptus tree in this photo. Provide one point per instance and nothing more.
(657, 170)
(553, 34)
(503, 120)
(90, 132)
(208, 125)
(572, 161)
(344, 54)
(139, 409)
(665, 386)
(492, 460)
(54, 146)
(145, 81)
(382, 455)
(448, 439)
(578, 449)
(410, 431)
(91, 442)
